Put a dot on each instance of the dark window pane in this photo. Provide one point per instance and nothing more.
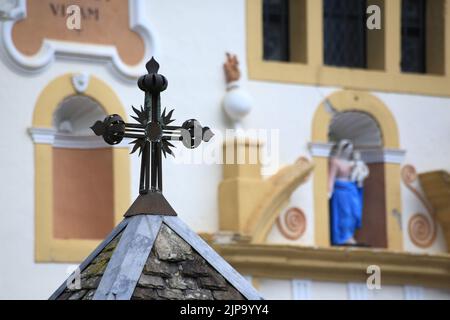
(276, 29)
(344, 26)
(413, 36)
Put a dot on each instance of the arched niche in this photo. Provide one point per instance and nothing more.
(364, 107)
(83, 195)
(365, 133)
(64, 149)
(74, 115)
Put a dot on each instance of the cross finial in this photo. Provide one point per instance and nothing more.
(152, 66)
(152, 133)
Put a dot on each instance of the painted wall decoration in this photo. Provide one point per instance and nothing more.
(292, 224)
(422, 229)
(34, 33)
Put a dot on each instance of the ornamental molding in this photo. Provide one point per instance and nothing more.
(301, 289)
(54, 50)
(337, 264)
(358, 291)
(413, 293)
(80, 82)
(67, 141)
(422, 228)
(12, 10)
(368, 155)
(292, 224)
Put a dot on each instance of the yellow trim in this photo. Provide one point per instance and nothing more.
(436, 185)
(321, 210)
(447, 43)
(376, 39)
(121, 169)
(47, 248)
(315, 73)
(297, 30)
(336, 264)
(60, 88)
(281, 187)
(364, 102)
(435, 37)
(392, 24)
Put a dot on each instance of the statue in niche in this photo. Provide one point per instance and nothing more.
(346, 176)
(359, 173)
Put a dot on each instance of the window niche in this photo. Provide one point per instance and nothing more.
(83, 204)
(344, 33)
(413, 36)
(347, 40)
(381, 70)
(284, 30)
(365, 134)
(423, 36)
(71, 215)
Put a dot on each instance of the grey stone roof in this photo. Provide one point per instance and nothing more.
(90, 277)
(155, 257)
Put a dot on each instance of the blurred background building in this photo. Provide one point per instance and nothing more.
(310, 73)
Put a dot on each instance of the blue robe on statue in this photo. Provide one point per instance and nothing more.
(346, 211)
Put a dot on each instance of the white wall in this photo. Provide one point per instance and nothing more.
(273, 289)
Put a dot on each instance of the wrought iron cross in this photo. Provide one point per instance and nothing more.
(152, 135)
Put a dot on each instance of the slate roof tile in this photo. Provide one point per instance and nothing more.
(172, 270)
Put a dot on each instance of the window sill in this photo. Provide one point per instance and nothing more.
(290, 72)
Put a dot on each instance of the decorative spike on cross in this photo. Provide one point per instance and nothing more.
(153, 132)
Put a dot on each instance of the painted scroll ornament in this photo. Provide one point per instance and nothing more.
(292, 224)
(422, 229)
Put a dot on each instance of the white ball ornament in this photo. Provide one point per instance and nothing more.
(237, 103)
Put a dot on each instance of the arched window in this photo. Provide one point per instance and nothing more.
(81, 184)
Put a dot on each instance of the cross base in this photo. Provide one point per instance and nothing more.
(151, 203)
